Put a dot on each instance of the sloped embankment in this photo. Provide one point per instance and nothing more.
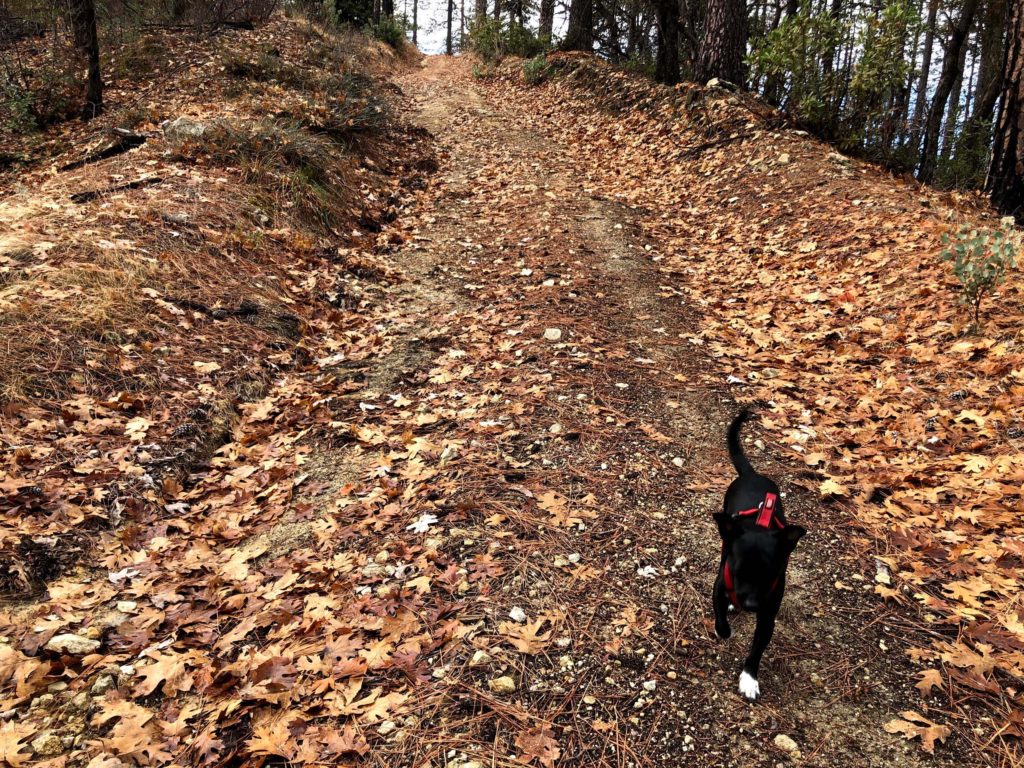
(820, 291)
(176, 256)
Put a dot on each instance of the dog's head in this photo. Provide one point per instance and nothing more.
(757, 557)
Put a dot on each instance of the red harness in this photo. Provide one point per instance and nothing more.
(766, 518)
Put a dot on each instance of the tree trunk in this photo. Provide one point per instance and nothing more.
(580, 34)
(953, 112)
(926, 66)
(666, 69)
(1005, 183)
(481, 10)
(448, 40)
(993, 51)
(415, 19)
(950, 65)
(724, 43)
(547, 19)
(614, 50)
(83, 24)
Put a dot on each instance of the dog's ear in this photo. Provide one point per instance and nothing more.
(728, 529)
(791, 534)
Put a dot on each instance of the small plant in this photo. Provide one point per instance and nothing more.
(535, 70)
(390, 30)
(494, 39)
(483, 71)
(980, 261)
(17, 107)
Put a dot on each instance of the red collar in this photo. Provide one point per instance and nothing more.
(766, 518)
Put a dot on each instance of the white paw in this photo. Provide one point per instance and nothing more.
(749, 687)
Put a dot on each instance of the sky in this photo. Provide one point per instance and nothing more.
(433, 20)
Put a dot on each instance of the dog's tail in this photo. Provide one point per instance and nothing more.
(739, 459)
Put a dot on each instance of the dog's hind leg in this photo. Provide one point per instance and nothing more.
(749, 686)
(720, 600)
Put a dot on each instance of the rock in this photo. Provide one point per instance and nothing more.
(81, 702)
(553, 334)
(183, 128)
(467, 764)
(103, 684)
(42, 702)
(786, 744)
(503, 684)
(72, 645)
(127, 606)
(388, 726)
(517, 614)
(783, 158)
(47, 744)
(480, 659)
(372, 570)
(650, 685)
(714, 82)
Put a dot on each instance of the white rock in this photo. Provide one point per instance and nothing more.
(786, 744)
(480, 659)
(503, 684)
(183, 128)
(650, 685)
(47, 744)
(553, 334)
(73, 645)
(517, 614)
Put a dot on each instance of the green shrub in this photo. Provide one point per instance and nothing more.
(980, 262)
(535, 70)
(390, 30)
(483, 71)
(493, 40)
(16, 106)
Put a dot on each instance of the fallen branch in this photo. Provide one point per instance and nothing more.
(84, 197)
(694, 151)
(126, 140)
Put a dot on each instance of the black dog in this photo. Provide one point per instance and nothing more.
(756, 544)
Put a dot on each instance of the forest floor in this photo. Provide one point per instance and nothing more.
(464, 520)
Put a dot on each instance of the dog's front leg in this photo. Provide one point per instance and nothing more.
(720, 601)
(749, 686)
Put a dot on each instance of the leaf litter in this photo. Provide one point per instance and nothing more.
(331, 580)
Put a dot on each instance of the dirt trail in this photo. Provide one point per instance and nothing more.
(507, 244)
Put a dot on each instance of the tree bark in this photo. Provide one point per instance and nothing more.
(950, 67)
(580, 34)
(83, 25)
(608, 8)
(993, 51)
(415, 20)
(724, 43)
(448, 40)
(547, 19)
(1005, 183)
(666, 69)
(926, 66)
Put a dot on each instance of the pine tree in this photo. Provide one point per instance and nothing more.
(1005, 183)
(724, 42)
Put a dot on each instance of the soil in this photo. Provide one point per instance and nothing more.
(531, 377)
(637, 418)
